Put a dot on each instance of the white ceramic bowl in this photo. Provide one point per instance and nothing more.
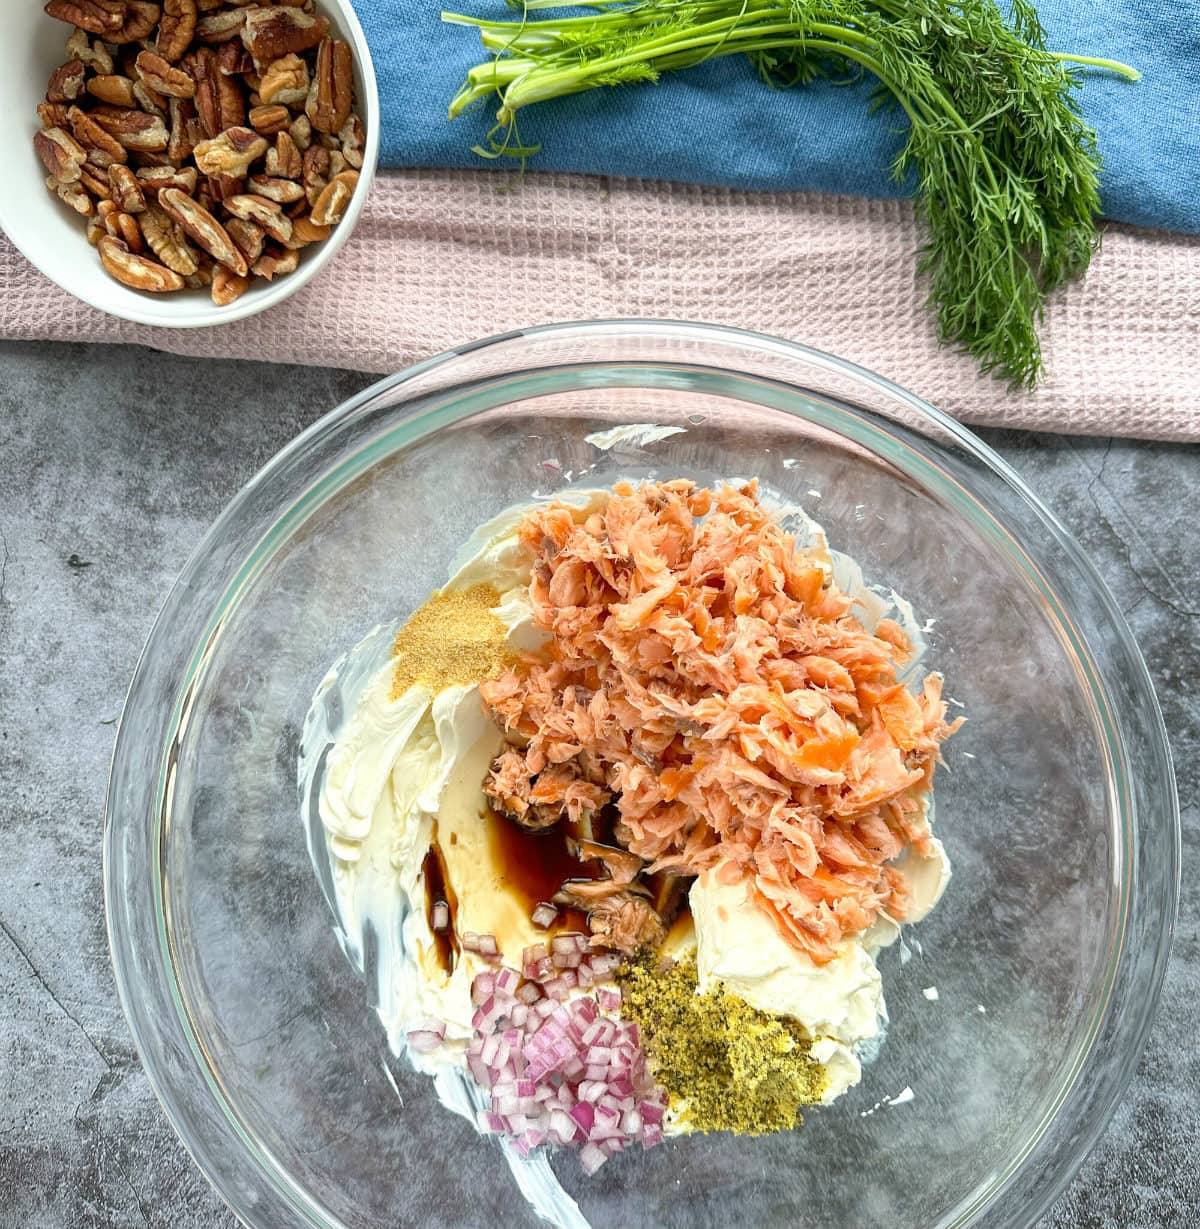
(52, 236)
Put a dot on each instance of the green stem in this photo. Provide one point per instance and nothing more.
(1112, 66)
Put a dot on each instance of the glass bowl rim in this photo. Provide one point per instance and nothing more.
(273, 1176)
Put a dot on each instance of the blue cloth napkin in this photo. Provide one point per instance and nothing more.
(718, 124)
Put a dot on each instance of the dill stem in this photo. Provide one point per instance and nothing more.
(1112, 66)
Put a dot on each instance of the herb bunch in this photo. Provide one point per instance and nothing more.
(1006, 170)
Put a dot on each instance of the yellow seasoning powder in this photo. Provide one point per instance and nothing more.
(454, 638)
(726, 1065)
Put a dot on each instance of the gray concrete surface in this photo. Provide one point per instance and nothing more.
(112, 463)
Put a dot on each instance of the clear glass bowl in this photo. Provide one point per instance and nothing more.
(1057, 805)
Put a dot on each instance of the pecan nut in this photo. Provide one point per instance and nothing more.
(284, 80)
(271, 263)
(221, 187)
(249, 237)
(227, 286)
(316, 172)
(93, 54)
(53, 114)
(92, 181)
(154, 178)
(66, 82)
(353, 139)
(283, 161)
(112, 88)
(331, 205)
(125, 189)
(72, 194)
(102, 149)
(281, 191)
(122, 226)
(301, 132)
(231, 153)
(139, 272)
(132, 129)
(179, 142)
(219, 27)
(167, 241)
(203, 228)
(233, 60)
(328, 103)
(61, 155)
(269, 119)
(141, 17)
(95, 16)
(273, 32)
(176, 29)
(150, 101)
(263, 213)
(163, 77)
(306, 231)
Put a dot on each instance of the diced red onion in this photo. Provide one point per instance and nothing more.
(559, 1071)
(604, 963)
(544, 915)
(591, 1158)
(424, 1041)
(609, 998)
(440, 919)
(482, 945)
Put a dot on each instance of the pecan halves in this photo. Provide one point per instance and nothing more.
(131, 129)
(281, 191)
(164, 77)
(203, 228)
(316, 172)
(249, 237)
(227, 286)
(154, 178)
(272, 263)
(139, 272)
(330, 206)
(306, 231)
(93, 54)
(140, 19)
(112, 88)
(353, 139)
(218, 27)
(328, 103)
(102, 149)
(176, 29)
(179, 142)
(66, 82)
(273, 32)
(122, 226)
(283, 161)
(95, 16)
(167, 241)
(230, 153)
(125, 189)
(93, 180)
(270, 119)
(72, 194)
(53, 114)
(284, 80)
(261, 212)
(61, 155)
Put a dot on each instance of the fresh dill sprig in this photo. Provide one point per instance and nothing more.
(1006, 170)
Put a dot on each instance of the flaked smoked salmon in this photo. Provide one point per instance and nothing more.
(712, 681)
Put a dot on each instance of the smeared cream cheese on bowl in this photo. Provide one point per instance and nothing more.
(404, 771)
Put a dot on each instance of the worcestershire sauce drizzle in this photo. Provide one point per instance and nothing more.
(534, 865)
(445, 942)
